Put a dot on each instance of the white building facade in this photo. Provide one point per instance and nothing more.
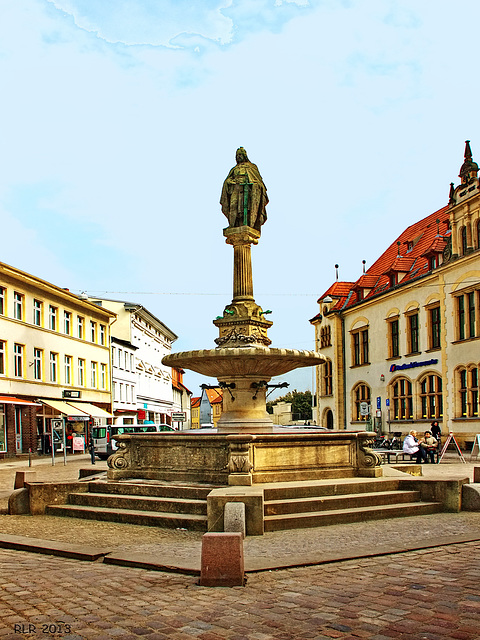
(150, 340)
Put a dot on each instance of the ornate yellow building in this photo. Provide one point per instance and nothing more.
(403, 341)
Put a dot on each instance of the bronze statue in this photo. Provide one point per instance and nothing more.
(244, 195)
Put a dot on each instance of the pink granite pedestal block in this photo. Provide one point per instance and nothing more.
(222, 560)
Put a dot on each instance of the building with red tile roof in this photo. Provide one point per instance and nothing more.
(403, 341)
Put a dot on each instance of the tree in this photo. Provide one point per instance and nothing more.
(301, 404)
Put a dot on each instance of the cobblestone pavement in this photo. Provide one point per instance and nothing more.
(426, 595)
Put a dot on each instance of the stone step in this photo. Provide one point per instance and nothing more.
(329, 503)
(286, 490)
(151, 488)
(139, 503)
(189, 521)
(343, 516)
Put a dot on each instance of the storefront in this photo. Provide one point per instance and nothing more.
(17, 426)
(70, 424)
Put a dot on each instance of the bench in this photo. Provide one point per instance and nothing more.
(391, 453)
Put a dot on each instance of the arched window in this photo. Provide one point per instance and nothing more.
(402, 399)
(431, 396)
(468, 392)
(361, 396)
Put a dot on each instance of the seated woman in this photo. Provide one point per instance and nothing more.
(411, 446)
(429, 444)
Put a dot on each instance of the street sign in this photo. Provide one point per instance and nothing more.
(387, 402)
(379, 402)
(179, 416)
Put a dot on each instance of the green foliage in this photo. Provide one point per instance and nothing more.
(301, 404)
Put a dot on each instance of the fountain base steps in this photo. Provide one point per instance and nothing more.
(285, 505)
(147, 503)
(323, 504)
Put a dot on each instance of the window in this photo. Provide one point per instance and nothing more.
(127, 360)
(413, 342)
(93, 331)
(463, 240)
(327, 378)
(113, 355)
(2, 301)
(468, 390)
(121, 392)
(2, 358)
(360, 347)
(67, 322)
(461, 317)
(52, 317)
(325, 337)
(68, 369)
(431, 397)
(53, 366)
(402, 400)
(467, 315)
(434, 327)
(81, 372)
(102, 334)
(93, 376)
(18, 360)
(393, 338)
(361, 396)
(18, 305)
(471, 314)
(80, 327)
(37, 312)
(37, 363)
(103, 376)
(131, 363)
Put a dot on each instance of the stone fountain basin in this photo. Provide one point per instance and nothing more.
(244, 361)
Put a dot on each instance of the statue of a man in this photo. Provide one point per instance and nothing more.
(244, 195)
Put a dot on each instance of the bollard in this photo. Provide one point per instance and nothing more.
(24, 476)
(234, 518)
(222, 560)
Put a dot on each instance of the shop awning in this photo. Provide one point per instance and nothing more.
(65, 408)
(91, 409)
(12, 400)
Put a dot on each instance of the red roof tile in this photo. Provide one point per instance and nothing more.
(415, 244)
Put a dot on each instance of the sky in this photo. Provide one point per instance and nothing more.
(119, 121)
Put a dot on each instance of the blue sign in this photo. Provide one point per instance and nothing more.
(412, 365)
(387, 402)
(379, 402)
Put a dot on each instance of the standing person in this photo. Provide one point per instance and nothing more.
(436, 431)
(411, 446)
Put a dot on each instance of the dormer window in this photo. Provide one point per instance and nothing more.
(409, 246)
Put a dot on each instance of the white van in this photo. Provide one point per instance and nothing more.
(103, 435)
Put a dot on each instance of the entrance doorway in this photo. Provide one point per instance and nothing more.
(18, 429)
(329, 419)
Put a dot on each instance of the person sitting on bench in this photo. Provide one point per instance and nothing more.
(411, 446)
(429, 444)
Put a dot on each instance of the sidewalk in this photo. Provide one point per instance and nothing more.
(181, 548)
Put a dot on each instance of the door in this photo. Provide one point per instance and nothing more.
(18, 429)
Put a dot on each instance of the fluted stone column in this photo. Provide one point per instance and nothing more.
(242, 239)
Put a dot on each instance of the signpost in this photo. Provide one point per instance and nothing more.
(179, 416)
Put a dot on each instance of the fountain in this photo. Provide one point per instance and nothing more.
(243, 361)
(246, 448)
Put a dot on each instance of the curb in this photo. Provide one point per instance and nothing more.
(191, 565)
